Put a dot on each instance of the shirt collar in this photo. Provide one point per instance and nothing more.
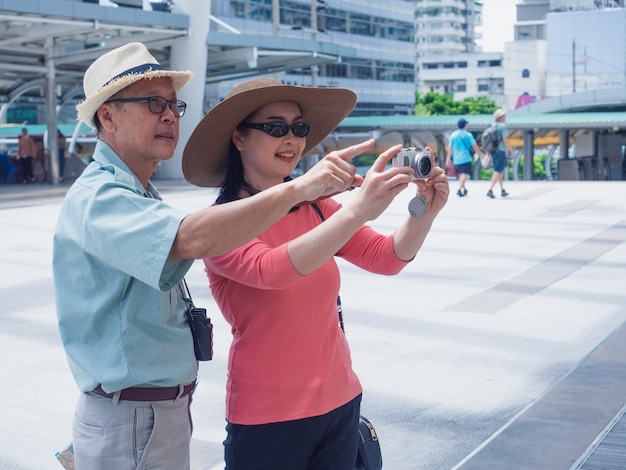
(106, 156)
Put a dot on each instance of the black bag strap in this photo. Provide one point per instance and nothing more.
(183, 292)
(339, 310)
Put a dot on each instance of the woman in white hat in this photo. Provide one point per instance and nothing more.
(293, 400)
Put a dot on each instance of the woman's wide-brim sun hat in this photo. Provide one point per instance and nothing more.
(118, 69)
(205, 158)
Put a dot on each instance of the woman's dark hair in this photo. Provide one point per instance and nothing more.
(233, 181)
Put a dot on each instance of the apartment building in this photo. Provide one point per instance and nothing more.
(448, 58)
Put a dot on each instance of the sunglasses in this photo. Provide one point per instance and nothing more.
(157, 104)
(279, 128)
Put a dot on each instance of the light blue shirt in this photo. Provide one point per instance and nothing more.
(461, 141)
(503, 131)
(121, 322)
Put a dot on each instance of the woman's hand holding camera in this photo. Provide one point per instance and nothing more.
(434, 190)
(380, 186)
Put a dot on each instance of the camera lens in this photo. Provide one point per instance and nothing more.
(424, 166)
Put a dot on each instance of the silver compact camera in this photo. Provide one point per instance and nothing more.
(420, 160)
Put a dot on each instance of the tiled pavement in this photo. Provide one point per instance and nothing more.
(502, 346)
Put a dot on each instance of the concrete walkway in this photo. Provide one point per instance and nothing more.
(500, 347)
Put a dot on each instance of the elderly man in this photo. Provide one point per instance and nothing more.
(120, 253)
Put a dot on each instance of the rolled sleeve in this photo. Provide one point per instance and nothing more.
(135, 227)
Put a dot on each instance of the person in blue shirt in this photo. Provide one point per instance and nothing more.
(459, 152)
(119, 253)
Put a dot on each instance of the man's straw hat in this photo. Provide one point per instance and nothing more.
(205, 158)
(118, 69)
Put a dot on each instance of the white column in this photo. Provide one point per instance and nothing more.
(190, 54)
(52, 158)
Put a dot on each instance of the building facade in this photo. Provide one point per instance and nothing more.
(446, 27)
(559, 47)
(586, 50)
(380, 68)
(564, 46)
(448, 59)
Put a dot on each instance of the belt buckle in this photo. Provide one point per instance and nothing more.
(184, 390)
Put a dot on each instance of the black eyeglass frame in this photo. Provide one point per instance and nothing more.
(178, 110)
(266, 127)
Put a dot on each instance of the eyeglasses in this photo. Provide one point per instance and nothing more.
(157, 104)
(280, 128)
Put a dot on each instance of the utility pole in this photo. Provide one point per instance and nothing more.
(573, 66)
(585, 59)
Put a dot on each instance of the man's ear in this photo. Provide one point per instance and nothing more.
(106, 117)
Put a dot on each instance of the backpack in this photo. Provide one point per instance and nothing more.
(489, 139)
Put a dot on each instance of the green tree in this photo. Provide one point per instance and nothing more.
(432, 103)
(421, 110)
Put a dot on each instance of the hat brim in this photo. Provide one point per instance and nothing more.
(205, 158)
(87, 109)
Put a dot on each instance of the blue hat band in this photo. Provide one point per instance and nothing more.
(136, 70)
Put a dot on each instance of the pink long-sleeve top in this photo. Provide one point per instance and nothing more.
(289, 358)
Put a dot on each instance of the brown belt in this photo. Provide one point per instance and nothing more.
(148, 394)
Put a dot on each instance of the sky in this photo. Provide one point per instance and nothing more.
(498, 20)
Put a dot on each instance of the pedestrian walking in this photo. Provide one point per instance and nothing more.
(62, 144)
(500, 156)
(26, 152)
(459, 151)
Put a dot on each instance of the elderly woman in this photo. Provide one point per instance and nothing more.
(293, 400)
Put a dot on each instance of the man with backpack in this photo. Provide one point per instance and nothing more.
(499, 155)
(460, 153)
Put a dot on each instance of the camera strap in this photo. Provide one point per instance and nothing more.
(183, 292)
(199, 323)
(339, 310)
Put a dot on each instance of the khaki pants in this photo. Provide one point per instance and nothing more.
(131, 435)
